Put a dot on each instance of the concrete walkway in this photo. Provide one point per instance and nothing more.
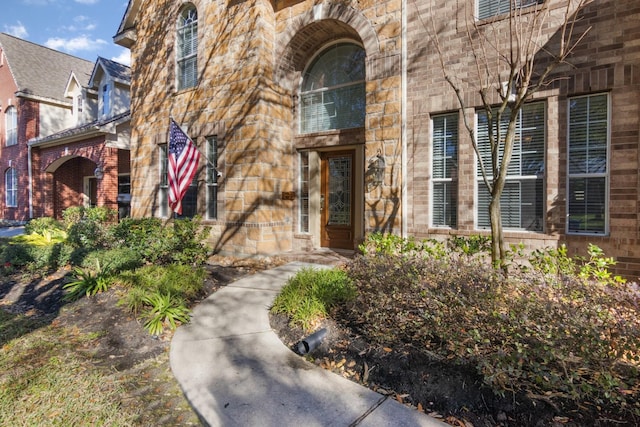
(235, 371)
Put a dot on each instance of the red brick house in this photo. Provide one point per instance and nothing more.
(88, 164)
(322, 121)
(51, 99)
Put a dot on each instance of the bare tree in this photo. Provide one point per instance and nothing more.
(512, 59)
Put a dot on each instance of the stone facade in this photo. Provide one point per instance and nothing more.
(252, 58)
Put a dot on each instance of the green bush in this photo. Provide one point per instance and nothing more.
(178, 242)
(566, 337)
(89, 282)
(160, 294)
(36, 257)
(42, 225)
(87, 227)
(311, 293)
(163, 309)
(118, 259)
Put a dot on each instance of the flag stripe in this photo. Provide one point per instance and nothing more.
(183, 165)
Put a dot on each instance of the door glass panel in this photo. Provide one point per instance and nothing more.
(339, 191)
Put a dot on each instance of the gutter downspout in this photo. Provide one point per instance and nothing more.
(403, 119)
(29, 165)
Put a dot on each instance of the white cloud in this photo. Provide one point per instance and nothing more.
(17, 30)
(75, 44)
(87, 1)
(124, 57)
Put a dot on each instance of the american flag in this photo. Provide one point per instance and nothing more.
(183, 164)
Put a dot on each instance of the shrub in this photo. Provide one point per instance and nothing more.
(87, 227)
(310, 294)
(180, 242)
(164, 309)
(88, 282)
(118, 259)
(42, 225)
(573, 337)
(160, 294)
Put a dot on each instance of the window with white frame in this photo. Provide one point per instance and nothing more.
(444, 161)
(212, 177)
(11, 187)
(522, 200)
(11, 126)
(588, 149)
(106, 99)
(187, 48)
(303, 207)
(163, 191)
(78, 107)
(489, 8)
(333, 90)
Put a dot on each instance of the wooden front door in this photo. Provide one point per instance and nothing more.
(336, 200)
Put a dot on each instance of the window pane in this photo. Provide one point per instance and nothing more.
(444, 170)
(588, 153)
(212, 177)
(587, 205)
(522, 200)
(489, 8)
(304, 192)
(11, 187)
(187, 49)
(190, 201)
(333, 90)
(11, 122)
(445, 204)
(163, 196)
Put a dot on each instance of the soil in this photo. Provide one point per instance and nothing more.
(126, 351)
(452, 393)
(123, 349)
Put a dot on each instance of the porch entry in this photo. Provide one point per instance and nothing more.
(337, 200)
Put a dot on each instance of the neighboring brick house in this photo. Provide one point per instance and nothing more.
(33, 104)
(318, 122)
(87, 164)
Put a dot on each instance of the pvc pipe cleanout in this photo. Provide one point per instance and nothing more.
(311, 342)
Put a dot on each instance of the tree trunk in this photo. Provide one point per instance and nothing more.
(498, 253)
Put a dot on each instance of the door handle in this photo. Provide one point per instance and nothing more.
(321, 202)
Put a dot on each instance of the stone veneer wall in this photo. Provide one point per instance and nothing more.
(250, 65)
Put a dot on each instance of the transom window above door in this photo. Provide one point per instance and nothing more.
(333, 90)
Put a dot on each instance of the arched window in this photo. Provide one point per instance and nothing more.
(187, 48)
(11, 187)
(11, 117)
(333, 90)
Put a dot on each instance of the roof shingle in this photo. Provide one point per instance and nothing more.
(41, 71)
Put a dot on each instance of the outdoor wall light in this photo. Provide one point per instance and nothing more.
(98, 172)
(377, 166)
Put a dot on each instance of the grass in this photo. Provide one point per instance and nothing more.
(47, 379)
(311, 293)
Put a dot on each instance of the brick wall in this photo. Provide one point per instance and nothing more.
(607, 60)
(59, 174)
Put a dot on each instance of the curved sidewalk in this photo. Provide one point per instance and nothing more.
(235, 371)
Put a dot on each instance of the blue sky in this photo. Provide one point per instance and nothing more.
(84, 28)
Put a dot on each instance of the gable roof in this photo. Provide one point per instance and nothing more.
(126, 32)
(117, 71)
(40, 71)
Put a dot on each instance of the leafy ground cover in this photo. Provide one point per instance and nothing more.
(90, 361)
(555, 343)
